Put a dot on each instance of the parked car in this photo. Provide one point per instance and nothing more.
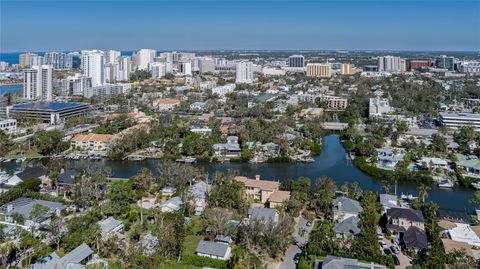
(394, 249)
(396, 261)
(387, 251)
(383, 244)
(309, 223)
(296, 258)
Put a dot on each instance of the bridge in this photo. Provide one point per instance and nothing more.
(334, 126)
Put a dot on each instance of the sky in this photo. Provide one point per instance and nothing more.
(66, 25)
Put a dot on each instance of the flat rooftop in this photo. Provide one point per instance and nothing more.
(48, 106)
(459, 115)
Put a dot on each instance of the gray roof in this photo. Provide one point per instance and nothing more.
(347, 204)
(386, 200)
(223, 239)
(405, 213)
(24, 206)
(71, 260)
(78, 254)
(415, 238)
(31, 172)
(199, 189)
(262, 213)
(332, 262)
(348, 226)
(108, 224)
(68, 177)
(212, 248)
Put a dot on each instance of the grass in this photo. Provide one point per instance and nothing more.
(178, 266)
(28, 154)
(192, 238)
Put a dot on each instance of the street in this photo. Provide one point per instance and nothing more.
(301, 237)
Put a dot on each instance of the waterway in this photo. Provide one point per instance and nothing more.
(332, 162)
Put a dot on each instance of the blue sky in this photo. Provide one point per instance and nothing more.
(195, 25)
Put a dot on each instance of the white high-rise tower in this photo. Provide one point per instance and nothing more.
(37, 83)
(93, 66)
(244, 72)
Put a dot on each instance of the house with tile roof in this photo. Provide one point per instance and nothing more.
(262, 190)
(92, 142)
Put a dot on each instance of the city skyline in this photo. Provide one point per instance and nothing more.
(240, 25)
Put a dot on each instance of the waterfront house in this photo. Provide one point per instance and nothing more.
(348, 228)
(263, 214)
(434, 163)
(344, 208)
(259, 190)
(66, 182)
(22, 208)
(415, 238)
(28, 173)
(92, 142)
(470, 165)
(76, 258)
(228, 150)
(387, 158)
(214, 250)
(278, 198)
(198, 194)
(388, 201)
(400, 219)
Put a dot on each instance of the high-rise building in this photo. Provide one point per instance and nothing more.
(111, 71)
(28, 59)
(124, 68)
(76, 84)
(142, 58)
(55, 59)
(346, 69)
(419, 64)
(185, 67)
(206, 65)
(37, 83)
(446, 62)
(391, 64)
(244, 72)
(73, 60)
(296, 61)
(319, 70)
(158, 70)
(112, 56)
(93, 66)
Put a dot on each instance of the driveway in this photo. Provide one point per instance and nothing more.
(301, 237)
(404, 260)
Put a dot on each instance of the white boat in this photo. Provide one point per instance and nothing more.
(476, 185)
(408, 197)
(445, 183)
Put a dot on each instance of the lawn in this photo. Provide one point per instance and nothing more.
(179, 266)
(192, 239)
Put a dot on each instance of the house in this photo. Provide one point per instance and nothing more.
(66, 181)
(228, 150)
(164, 104)
(388, 201)
(28, 173)
(92, 142)
(75, 259)
(311, 112)
(387, 158)
(198, 194)
(223, 239)
(263, 214)
(344, 208)
(333, 262)
(171, 205)
(22, 207)
(347, 228)
(149, 243)
(214, 250)
(257, 189)
(461, 232)
(400, 219)
(415, 238)
(434, 163)
(168, 191)
(470, 165)
(199, 106)
(110, 226)
(278, 198)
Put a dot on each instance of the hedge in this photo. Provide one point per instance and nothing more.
(203, 261)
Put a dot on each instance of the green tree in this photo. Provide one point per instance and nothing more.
(423, 191)
(39, 212)
(50, 142)
(5, 143)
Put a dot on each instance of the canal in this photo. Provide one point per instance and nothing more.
(332, 162)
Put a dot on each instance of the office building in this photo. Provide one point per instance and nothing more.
(319, 70)
(158, 70)
(445, 62)
(37, 83)
(55, 59)
(185, 67)
(244, 72)
(296, 61)
(458, 120)
(48, 112)
(76, 84)
(28, 59)
(333, 102)
(112, 56)
(93, 66)
(111, 71)
(9, 126)
(391, 64)
(419, 64)
(347, 69)
(142, 58)
(124, 68)
(206, 65)
(470, 67)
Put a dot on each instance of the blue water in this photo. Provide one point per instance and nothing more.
(10, 88)
(332, 162)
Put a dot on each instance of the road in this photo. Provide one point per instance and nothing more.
(301, 236)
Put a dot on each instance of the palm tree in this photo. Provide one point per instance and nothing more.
(423, 191)
(386, 186)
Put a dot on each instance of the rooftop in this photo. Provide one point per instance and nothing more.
(48, 106)
(257, 183)
(405, 213)
(212, 248)
(93, 138)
